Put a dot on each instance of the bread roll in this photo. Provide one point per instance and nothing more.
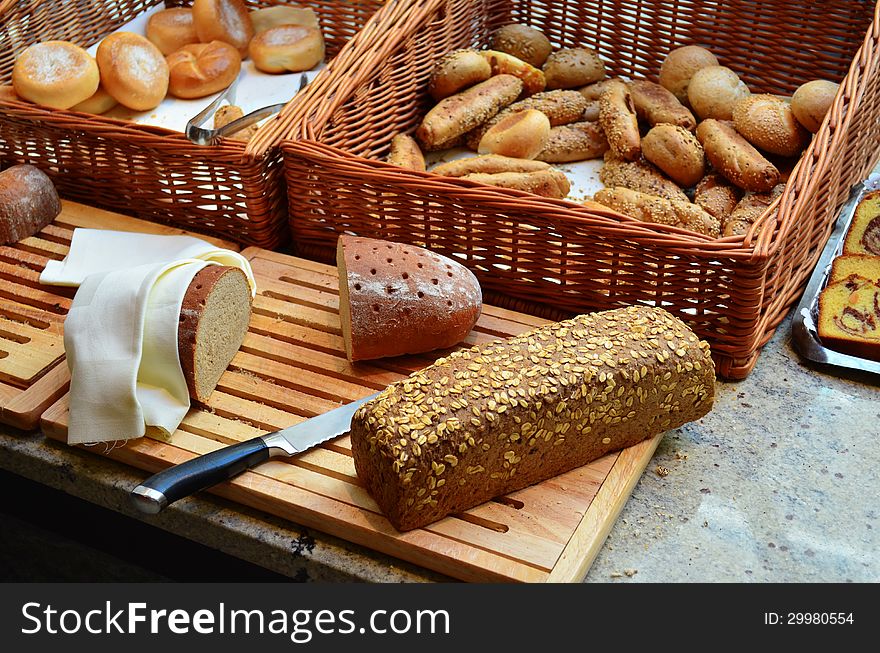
(655, 105)
(201, 69)
(268, 17)
(811, 101)
(747, 211)
(171, 29)
(100, 102)
(714, 90)
(457, 114)
(520, 135)
(677, 152)
(405, 153)
(502, 63)
(546, 183)
(489, 164)
(133, 70)
(717, 197)
(55, 74)
(659, 210)
(768, 123)
(641, 176)
(28, 202)
(223, 20)
(226, 114)
(573, 67)
(617, 117)
(498, 417)
(680, 65)
(288, 48)
(577, 141)
(523, 42)
(735, 158)
(457, 71)
(397, 299)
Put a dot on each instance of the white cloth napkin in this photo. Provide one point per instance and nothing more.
(120, 335)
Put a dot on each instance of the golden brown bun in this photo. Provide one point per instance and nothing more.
(546, 183)
(811, 102)
(677, 152)
(502, 63)
(489, 164)
(659, 210)
(226, 114)
(406, 153)
(133, 70)
(747, 211)
(520, 135)
(55, 74)
(171, 29)
(457, 71)
(656, 105)
(735, 158)
(641, 176)
(263, 19)
(617, 117)
(577, 141)
(714, 90)
(523, 42)
(200, 69)
(287, 48)
(100, 102)
(768, 123)
(223, 20)
(680, 65)
(717, 197)
(573, 67)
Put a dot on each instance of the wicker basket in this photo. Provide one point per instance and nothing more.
(558, 257)
(228, 190)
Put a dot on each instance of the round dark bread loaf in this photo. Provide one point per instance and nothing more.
(28, 202)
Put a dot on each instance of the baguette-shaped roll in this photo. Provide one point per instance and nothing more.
(650, 208)
(641, 176)
(751, 207)
(717, 197)
(502, 63)
(655, 105)
(488, 164)
(456, 115)
(546, 183)
(677, 152)
(617, 116)
(735, 158)
(456, 71)
(501, 416)
(578, 141)
(406, 153)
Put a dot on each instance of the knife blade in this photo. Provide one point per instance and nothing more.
(179, 481)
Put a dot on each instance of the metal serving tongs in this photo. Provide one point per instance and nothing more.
(202, 136)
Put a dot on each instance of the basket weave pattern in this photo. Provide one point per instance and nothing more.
(556, 257)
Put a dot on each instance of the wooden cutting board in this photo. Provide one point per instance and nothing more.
(292, 366)
(32, 370)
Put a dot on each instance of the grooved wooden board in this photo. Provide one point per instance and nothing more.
(33, 374)
(292, 366)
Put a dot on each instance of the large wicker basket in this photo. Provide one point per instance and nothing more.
(558, 257)
(228, 190)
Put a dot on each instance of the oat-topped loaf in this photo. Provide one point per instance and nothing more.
(500, 416)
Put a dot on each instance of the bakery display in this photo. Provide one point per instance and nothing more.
(485, 421)
(133, 70)
(201, 69)
(28, 202)
(223, 20)
(863, 235)
(171, 29)
(55, 74)
(287, 48)
(397, 299)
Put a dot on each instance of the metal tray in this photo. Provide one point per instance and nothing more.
(803, 326)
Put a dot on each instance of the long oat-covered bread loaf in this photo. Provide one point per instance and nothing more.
(500, 416)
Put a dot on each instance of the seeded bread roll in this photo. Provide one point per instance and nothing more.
(641, 176)
(617, 116)
(523, 42)
(501, 416)
(747, 211)
(573, 67)
(546, 183)
(28, 202)
(659, 210)
(677, 152)
(578, 141)
(717, 197)
(656, 105)
(768, 123)
(735, 158)
(488, 164)
(406, 153)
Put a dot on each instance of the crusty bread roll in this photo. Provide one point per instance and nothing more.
(457, 114)
(714, 90)
(28, 202)
(287, 48)
(133, 70)
(489, 164)
(171, 29)
(503, 415)
(223, 20)
(655, 105)
(577, 141)
(546, 183)
(502, 63)
(617, 117)
(641, 176)
(406, 153)
(100, 102)
(677, 152)
(520, 135)
(747, 211)
(226, 114)
(811, 102)
(397, 299)
(717, 197)
(457, 71)
(735, 158)
(55, 74)
(523, 42)
(573, 67)
(768, 123)
(680, 65)
(267, 17)
(200, 69)
(659, 210)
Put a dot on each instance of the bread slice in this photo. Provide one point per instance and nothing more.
(860, 264)
(214, 319)
(397, 299)
(849, 317)
(863, 235)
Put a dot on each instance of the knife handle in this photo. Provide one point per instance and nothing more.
(180, 481)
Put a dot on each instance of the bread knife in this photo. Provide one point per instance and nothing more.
(203, 471)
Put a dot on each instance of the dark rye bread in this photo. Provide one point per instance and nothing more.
(214, 319)
(501, 416)
(28, 202)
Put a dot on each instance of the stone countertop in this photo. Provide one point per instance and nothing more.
(776, 484)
